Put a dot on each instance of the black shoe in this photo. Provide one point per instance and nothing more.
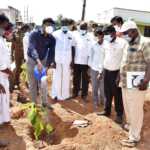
(103, 113)
(119, 120)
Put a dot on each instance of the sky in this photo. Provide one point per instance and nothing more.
(40, 9)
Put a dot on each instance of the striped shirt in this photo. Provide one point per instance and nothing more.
(135, 58)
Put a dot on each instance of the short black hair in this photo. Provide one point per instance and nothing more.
(113, 19)
(48, 20)
(3, 18)
(94, 25)
(83, 25)
(108, 29)
(117, 19)
(25, 27)
(98, 31)
(71, 21)
(65, 22)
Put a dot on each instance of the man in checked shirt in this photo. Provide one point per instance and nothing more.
(135, 59)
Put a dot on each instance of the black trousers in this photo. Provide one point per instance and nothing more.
(80, 79)
(112, 90)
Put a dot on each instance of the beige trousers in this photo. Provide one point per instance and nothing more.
(133, 101)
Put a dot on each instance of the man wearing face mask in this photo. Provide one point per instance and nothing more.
(112, 62)
(96, 60)
(80, 75)
(117, 22)
(26, 30)
(4, 75)
(64, 57)
(135, 59)
(17, 51)
(41, 52)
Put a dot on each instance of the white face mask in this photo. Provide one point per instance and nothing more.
(49, 29)
(64, 29)
(108, 38)
(83, 32)
(127, 38)
(117, 28)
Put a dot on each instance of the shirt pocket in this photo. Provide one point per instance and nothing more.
(135, 56)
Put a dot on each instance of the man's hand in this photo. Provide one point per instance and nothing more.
(143, 85)
(53, 65)
(100, 76)
(118, 79)
(72, 65)
(39, 65)
(2, 89)
(8, 72)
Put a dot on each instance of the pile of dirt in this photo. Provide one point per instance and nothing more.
(101, 134)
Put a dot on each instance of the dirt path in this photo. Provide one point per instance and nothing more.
(102, 134)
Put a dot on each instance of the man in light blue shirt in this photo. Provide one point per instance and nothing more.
(96, 60)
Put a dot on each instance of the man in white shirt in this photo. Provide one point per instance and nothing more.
(26, 29)
(96, 61)
(117, 22)
(64, 59)
(112, 63)
(80, 75)
(4, 74)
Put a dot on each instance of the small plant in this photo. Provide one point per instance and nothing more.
(36, 114)
(24, 74)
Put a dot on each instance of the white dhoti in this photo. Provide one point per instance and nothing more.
(4, 99)
(61, 81)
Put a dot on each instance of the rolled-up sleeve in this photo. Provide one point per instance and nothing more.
(32, 52)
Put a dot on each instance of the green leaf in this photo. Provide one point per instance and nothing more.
(49, 128)
(32, 115)
(38, 128)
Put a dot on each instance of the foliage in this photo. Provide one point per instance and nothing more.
(35, 115)
(24, 74)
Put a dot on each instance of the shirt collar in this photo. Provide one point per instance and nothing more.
(41, 30)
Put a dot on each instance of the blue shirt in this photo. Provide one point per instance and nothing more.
(41, 47)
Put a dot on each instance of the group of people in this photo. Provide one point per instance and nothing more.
(78, 54)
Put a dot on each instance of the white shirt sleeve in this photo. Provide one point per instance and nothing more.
(25, 45)
(101, 65)
(3, 55)
(90, 56)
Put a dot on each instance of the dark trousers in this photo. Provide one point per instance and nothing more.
(112, 91)
(80, 79)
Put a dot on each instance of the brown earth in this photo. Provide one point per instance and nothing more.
(101, 134)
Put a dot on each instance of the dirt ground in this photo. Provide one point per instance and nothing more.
(102, 134)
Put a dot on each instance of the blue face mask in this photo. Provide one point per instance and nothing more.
(108, 38)
(65, 29)
(83, 32)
